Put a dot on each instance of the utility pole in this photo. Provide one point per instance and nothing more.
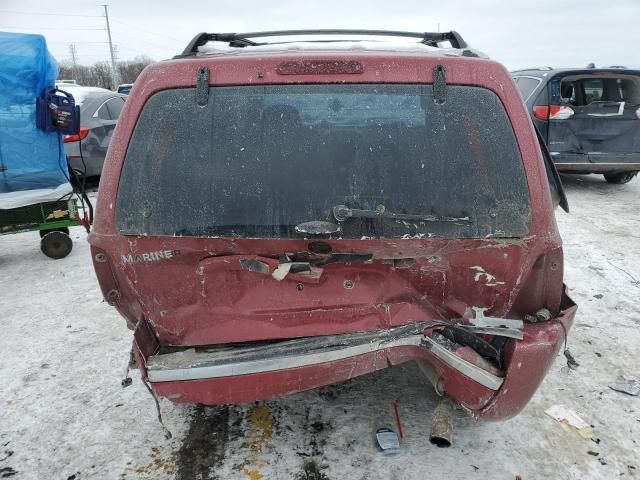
(74, 60)
(114, 71)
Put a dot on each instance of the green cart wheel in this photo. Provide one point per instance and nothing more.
(56, 244)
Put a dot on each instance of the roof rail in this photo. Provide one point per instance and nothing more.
(243, 39)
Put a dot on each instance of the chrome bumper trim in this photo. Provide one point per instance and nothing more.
(226, 362)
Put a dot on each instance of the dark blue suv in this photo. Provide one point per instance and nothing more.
(589, 118)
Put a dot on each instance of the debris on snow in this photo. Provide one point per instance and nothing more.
(388, 441)
(629, 386)
(569, 420)
(571, 361)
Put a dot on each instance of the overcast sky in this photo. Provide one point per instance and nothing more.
(517, 33)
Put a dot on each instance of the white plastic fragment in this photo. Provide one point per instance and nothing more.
(388, 441)
(480, 320)
(569, 420)
(281, 271)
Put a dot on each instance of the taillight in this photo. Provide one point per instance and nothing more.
(552, 112)
(76, 138)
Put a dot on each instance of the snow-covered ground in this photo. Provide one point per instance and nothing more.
(64, 415)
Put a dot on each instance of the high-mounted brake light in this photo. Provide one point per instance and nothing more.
(552, 112)
(76, 138)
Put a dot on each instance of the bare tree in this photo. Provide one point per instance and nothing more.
(129, 70)
(102, 75)
(99, 74)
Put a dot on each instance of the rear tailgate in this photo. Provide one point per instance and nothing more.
(268, 160)
(600, 116)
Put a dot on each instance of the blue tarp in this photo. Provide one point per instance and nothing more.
(30, 158)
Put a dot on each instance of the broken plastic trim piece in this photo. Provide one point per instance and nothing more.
(502, 332)
(468, 369)
(496, 322)
(216, 363)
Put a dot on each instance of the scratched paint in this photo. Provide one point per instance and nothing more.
(490, 280)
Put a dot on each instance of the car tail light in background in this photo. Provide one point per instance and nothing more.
(76, 138)
(552, 112)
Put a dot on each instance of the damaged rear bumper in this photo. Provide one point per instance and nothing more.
(200, 364)
(596, 162)
(240, 374)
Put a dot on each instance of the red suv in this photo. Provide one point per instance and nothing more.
(277, 217)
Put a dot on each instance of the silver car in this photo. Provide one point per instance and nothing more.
(99, 112)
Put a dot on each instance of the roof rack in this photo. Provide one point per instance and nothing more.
(241, 40)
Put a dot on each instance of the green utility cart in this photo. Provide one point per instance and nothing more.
(51, 219)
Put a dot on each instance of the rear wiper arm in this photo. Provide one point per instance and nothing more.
(342, 213)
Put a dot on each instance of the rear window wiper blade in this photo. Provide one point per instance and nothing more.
(343, 213)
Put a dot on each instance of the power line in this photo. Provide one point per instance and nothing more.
(49, 14)
(126, 47)
(164, 47)
(145, 30)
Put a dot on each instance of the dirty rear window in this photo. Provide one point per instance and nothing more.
(257, 161)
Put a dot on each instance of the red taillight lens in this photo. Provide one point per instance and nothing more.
(552, 112)
(541, 112)
(76, 138)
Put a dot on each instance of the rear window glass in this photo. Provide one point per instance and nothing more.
(257, 161)
(586, 91)
(115, 107)
(527, 86)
